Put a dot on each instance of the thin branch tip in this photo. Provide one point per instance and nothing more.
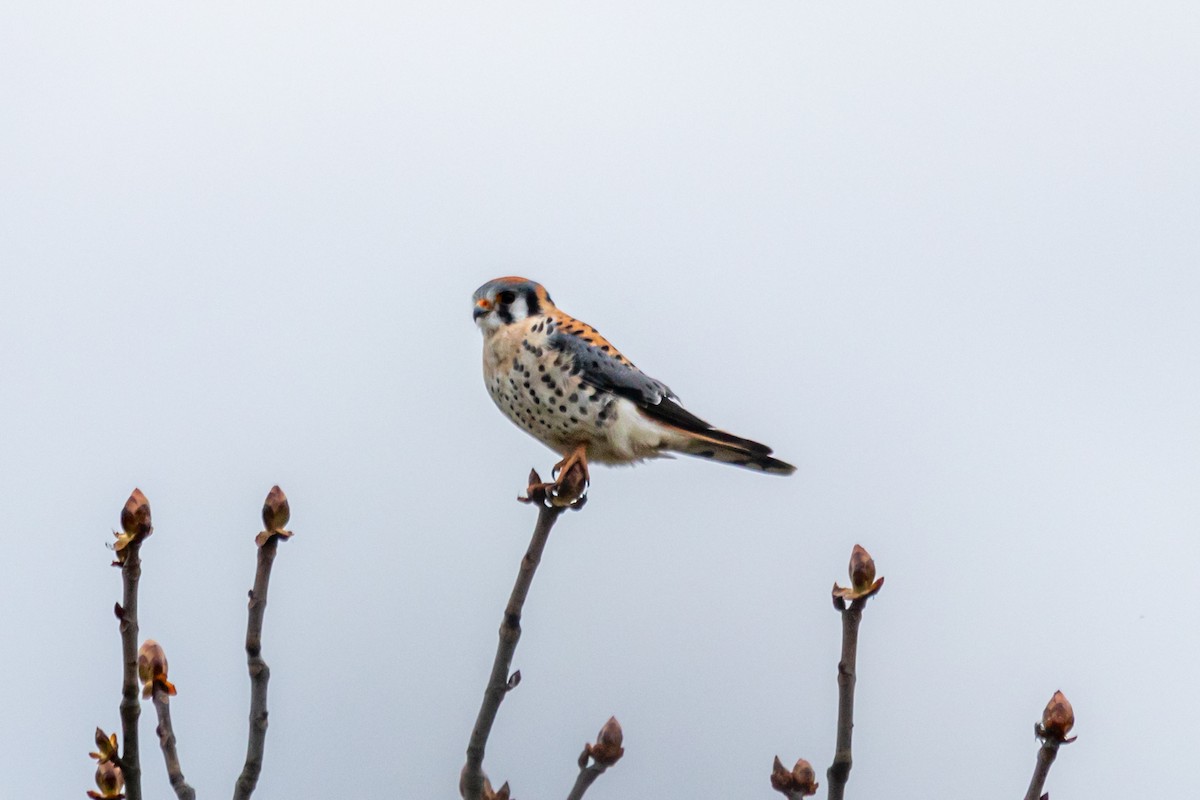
(473, 782)
(135, 528)
(276, 513)
(849, 603)
(167, 743)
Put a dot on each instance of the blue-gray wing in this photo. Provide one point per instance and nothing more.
(613, 373)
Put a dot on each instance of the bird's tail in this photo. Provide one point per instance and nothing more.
(717, 445)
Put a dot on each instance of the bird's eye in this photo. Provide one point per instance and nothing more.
(506, 298)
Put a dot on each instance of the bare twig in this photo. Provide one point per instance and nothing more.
(166, 740)
(839, 771)
(275, 516)
(131, 707)
(260, 674)
(152, 671)
(135, 527)
(587, 776)
(1045, 757)
(1057, 721)
(598, 757)
(499, 682)
(863, 587)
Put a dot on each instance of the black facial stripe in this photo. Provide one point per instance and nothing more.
(532, 303)
(505, 315)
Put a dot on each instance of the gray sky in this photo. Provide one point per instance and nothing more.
(941, 255)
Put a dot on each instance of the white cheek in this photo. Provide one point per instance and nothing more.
(488, 323)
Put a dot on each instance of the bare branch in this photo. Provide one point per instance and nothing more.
(152, 672)
(135, 527)
(863, 587)
(275, 516)
(587, 776)
(1045, 757)
(510, 633)
(1057, 721)
(166, 740)
(839, 772)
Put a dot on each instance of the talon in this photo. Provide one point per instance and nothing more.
(572, 479)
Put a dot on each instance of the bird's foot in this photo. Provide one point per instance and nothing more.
(569, 487)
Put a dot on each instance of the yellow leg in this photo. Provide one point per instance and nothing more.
(576, 456)
(570, 483)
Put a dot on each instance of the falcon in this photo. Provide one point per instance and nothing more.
(565, 384)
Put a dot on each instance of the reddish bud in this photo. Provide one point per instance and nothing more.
(535, 491)
(152, 668)
(135, 516)
(1058, 718)
(862, 569)
(109, 781)
(805, 777)
(800, 781)
(135, 524)
(275, 514)
(106, 746)
(863, 583)
(607, 750)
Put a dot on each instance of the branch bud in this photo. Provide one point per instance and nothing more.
(135, 524)
(862, 569)
(1057, 719)
(106, 746)
(863, 583)
(109, 781)
(800, 782)
(135, 516)
(275, 514)
(607, 750)
(152, 668)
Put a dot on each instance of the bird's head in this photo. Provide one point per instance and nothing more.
(504, 301)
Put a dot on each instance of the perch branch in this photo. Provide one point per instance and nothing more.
(135, 527)
(275, 516)
(587, 776)
(131, 707)
(260, 673)
(166, 740)
(1045, 757)
(863, 585)
(839, 771)
(499, 682)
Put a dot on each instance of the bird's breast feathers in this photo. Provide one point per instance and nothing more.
(548, 385)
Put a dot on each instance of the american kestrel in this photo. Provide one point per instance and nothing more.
(565, 384)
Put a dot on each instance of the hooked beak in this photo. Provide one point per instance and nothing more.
(482, 307)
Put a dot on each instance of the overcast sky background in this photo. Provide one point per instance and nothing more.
(941, 255)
